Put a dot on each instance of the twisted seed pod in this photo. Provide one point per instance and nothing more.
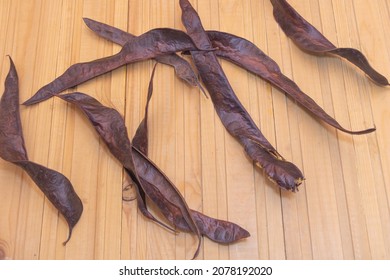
(309, 39)
(55, 186)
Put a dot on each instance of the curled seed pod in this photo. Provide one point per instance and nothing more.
(149, 45)
(55, 186)
(217, 230)
(156, 186)
(154, 182)
(230, 110)
(309, 39)
(141, 138)
(110, 126)
(182, 68)
(248, 56)
(244, 54)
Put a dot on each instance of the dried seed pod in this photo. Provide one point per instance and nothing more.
(217, 230)
(55, 186)
(152, 177)
(111, 127)
(246, 55)
(153, 181)
(141, 139)
(182, 68)
(149, 45)
(309, 39)
(230, 110)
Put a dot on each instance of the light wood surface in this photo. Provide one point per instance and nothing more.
(340, 212)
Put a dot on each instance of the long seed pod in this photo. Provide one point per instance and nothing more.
(55, 186)
(141, 196)
(244, 54)
(248, 56)
(114, 134)
(230, 110)
(149, 45)
(141, 138)
(217, 230)
(141, 200)
(182, 68)
(155, 183)
(220, 231)
(236, 120)
(110, 126)
(309, 39)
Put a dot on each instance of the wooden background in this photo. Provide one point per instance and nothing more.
(340, 212)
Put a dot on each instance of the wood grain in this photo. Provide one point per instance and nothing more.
(341, 211)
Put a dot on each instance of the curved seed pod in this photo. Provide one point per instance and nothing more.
(309, 39)
(220, 231)
(141, 201)
(109, 32)
(110, 126)
(244, 54)
(55, 186)
(248, 56)
(148, 45)
(58, 189)
(12, 147)
(141, 196)
(140, 139)
(231, 112)
(182, 68)
(217, 230)
(157, 187)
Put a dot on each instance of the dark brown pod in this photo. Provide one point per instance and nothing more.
(141, 138)
(230, 110)
(152, 177)
(58, 189)
(217, 230)
(154, 182)
(55, 186)
(246, 55)
(182, 68)
(108, 124)
(309, 39)
(111, 127)
(149, 45)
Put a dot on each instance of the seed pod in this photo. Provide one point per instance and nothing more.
(309, 39)
(232, 113)
(55, 186)
(246, 55)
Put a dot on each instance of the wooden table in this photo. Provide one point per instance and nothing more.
(340, 212)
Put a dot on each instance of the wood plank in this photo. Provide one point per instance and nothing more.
(341, 210)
